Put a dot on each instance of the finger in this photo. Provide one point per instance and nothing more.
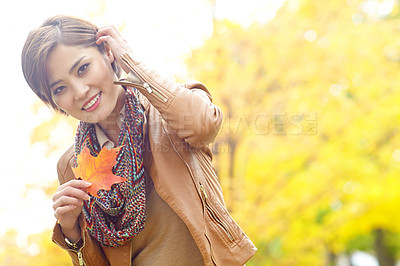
(71, 192)
(108, 31)
(107, 39)
(65, 200)
(74, 192)
(117, 31)
(63, 210)
(115, 28)
(75, 183)
(112, 44)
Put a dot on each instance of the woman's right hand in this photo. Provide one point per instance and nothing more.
(116, 42)
(67, 205)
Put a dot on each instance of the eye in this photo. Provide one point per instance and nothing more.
(58, 90)
(82, 69)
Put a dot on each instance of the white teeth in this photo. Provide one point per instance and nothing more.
(90, 104)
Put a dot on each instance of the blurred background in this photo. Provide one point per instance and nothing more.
(309, 150)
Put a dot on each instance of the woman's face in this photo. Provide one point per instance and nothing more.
(81, 82)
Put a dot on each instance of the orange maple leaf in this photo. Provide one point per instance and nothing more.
(97, 170)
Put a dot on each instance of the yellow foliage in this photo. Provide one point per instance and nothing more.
(38, 250)
(311, 128)
(56, 131)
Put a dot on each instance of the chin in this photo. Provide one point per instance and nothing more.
(97, 116)
(91, 118)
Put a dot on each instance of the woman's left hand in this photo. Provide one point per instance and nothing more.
(111, 36)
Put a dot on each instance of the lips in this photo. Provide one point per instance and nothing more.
(92, 103)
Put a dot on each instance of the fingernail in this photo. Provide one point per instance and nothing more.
(88, 183)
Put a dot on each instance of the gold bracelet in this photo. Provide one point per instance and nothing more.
(75, 246)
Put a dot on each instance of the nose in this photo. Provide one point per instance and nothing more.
(80, 91)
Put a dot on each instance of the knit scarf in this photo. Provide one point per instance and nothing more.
(126, 201)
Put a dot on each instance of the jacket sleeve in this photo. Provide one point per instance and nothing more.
(187, 108)
(91, 253)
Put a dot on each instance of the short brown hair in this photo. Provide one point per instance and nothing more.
(66, 30)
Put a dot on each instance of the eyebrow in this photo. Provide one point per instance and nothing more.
(70, 71)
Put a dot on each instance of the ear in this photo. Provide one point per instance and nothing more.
(109, 54)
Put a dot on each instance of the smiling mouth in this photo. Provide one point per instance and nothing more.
(92, 104)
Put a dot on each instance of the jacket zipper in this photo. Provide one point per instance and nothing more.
(145, 86)
(191, 175)
(157, 93)
(180, 156)
(79, 253)
(141, 75)
(81, 261)
(213, 215)
(80, 258)
(203, 191)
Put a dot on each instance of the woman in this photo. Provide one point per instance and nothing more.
(171, 210)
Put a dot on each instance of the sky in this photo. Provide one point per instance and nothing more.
(162, 32)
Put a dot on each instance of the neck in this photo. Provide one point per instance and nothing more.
(109, 125)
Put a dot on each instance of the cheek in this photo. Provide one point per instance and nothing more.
(104, 72)
(58, 102)
(63, 103)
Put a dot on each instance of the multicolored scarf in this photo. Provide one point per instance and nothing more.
(126, 201)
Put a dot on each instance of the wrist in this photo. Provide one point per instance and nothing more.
(73, 234)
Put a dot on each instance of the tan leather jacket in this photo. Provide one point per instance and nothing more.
(181, 121)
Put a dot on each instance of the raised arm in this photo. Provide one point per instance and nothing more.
(187, 108)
